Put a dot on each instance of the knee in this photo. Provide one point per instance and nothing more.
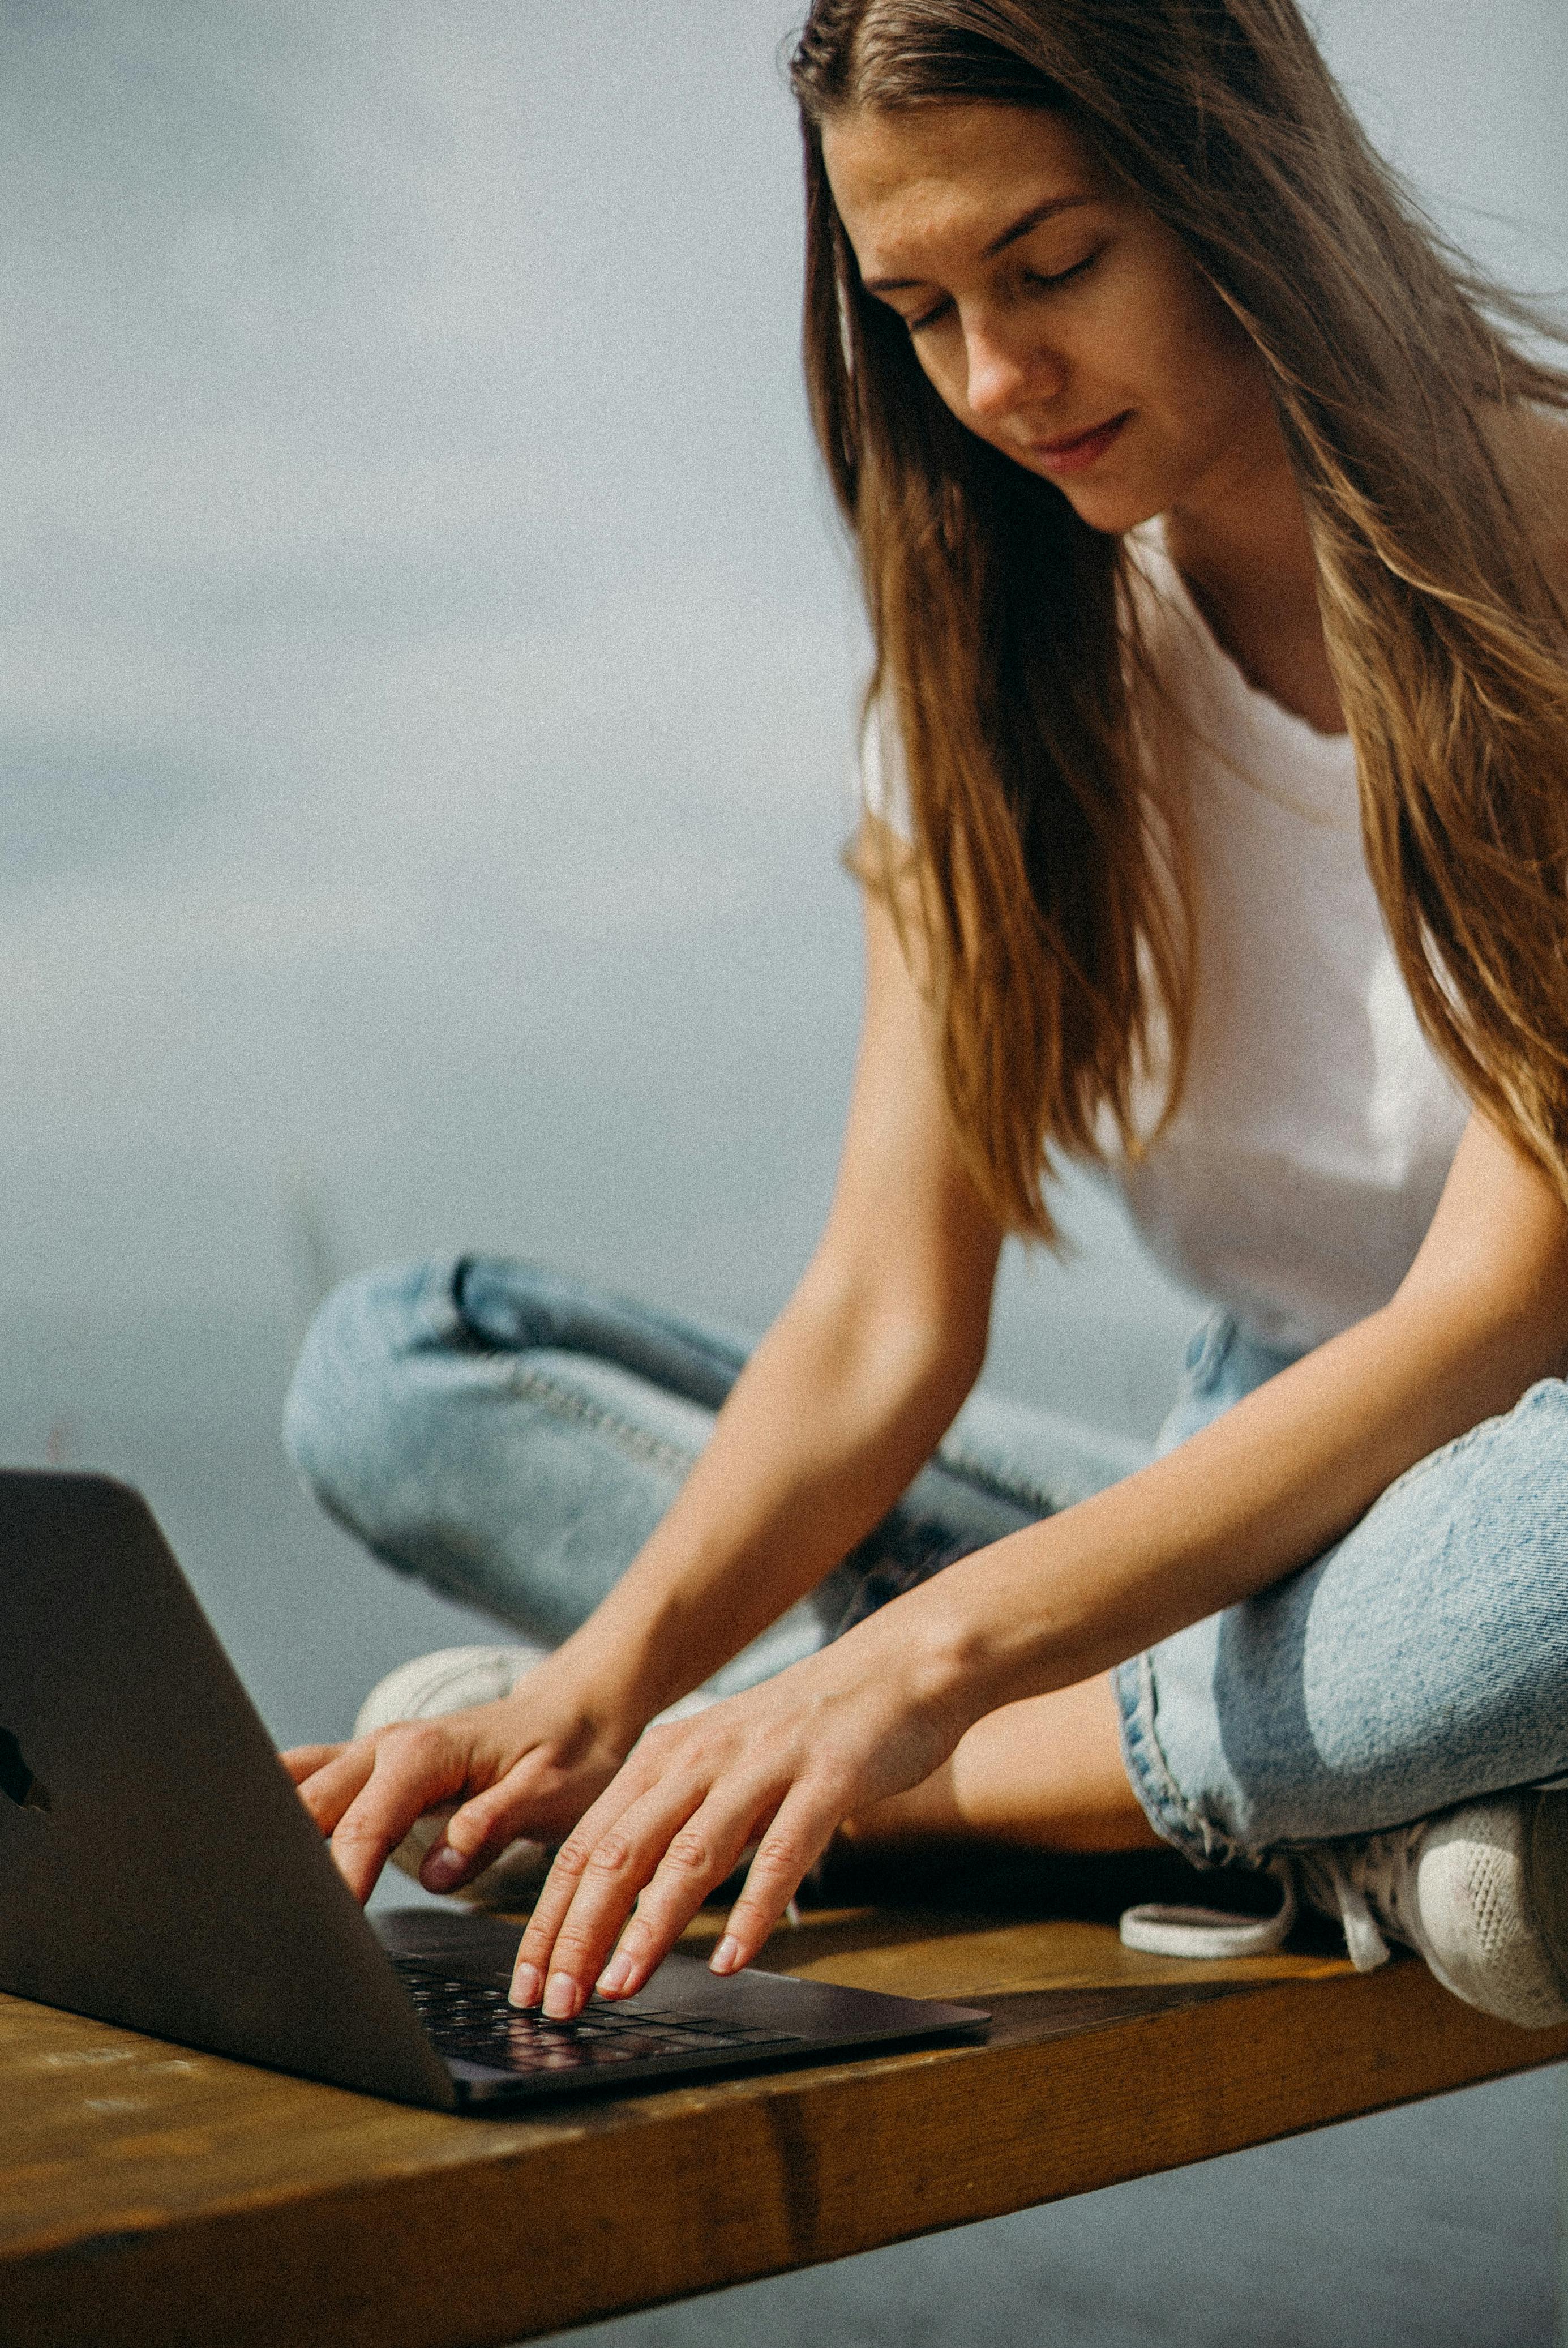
(342, 1416)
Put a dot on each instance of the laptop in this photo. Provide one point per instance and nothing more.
(160, 1871)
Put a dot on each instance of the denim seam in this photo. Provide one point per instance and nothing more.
(651, 1450)
(1169, 1812)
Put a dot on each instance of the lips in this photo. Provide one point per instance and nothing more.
(1076, 453)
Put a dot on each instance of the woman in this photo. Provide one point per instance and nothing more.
(1200, 497)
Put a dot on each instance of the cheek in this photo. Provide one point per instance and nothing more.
(1211, 368)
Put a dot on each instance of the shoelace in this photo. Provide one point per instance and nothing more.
(1363, 1883)
(1162, 1930)
(1358, 1882)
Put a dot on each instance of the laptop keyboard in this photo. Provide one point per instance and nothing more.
(473, 2022)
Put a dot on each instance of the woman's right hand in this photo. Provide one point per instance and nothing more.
(528, 1765)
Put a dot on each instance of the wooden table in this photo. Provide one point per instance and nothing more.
(151, 2196)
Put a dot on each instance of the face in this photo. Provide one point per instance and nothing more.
(1054, 313)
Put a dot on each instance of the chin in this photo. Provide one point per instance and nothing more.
(1111, 511)
(1113, 506)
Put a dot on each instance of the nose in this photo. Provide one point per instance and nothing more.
(1006, 367)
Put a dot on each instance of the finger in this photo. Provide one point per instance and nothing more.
(411, 1771)
(555, 1971)
(480, 1830)
(525, 1802)
(622, 1861)
(302, 1761)
(701, 1856)
(801, 1831)
(550, 1909)
(531, 1799)
(560, 1886)
(329, 1791)
(587, 1894)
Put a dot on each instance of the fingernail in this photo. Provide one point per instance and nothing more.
(616, 1975)
(726, 1956)
(527, 1984)
(560, 1997)
(442, 1866)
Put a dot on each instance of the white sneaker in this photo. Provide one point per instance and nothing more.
(447, 1681)
(424, 1689)
(1480, 1892)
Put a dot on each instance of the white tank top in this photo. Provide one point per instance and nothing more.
(1315, 1128)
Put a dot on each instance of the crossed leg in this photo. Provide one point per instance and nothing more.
(513, 1437)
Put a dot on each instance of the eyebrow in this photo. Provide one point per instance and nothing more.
(1021, 227)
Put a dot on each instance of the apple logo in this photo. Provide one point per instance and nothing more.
(17, 1782)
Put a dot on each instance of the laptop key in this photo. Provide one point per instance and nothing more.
(475, 2020)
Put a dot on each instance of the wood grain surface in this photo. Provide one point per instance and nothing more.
(153, 2196)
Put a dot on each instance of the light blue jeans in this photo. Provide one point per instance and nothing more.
(512, 1439)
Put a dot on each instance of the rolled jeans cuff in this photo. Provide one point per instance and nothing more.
(1171, 1815)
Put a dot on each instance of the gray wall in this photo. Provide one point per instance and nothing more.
(427, 669)
(426, 662)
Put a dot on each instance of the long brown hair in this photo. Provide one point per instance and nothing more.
(1053, 938)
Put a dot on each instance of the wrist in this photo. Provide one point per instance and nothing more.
(978, 1636)
(615, 1678)
(925, 1647)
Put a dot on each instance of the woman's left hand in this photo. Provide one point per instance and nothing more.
(780, 1766)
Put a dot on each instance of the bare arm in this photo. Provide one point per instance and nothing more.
(1482, 1315)
(840, 1406)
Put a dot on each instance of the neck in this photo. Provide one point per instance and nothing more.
(1239, 538)
(1241, 530)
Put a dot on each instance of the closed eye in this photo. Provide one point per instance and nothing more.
(927, 318)
(1063, 276)
(1036, 280)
